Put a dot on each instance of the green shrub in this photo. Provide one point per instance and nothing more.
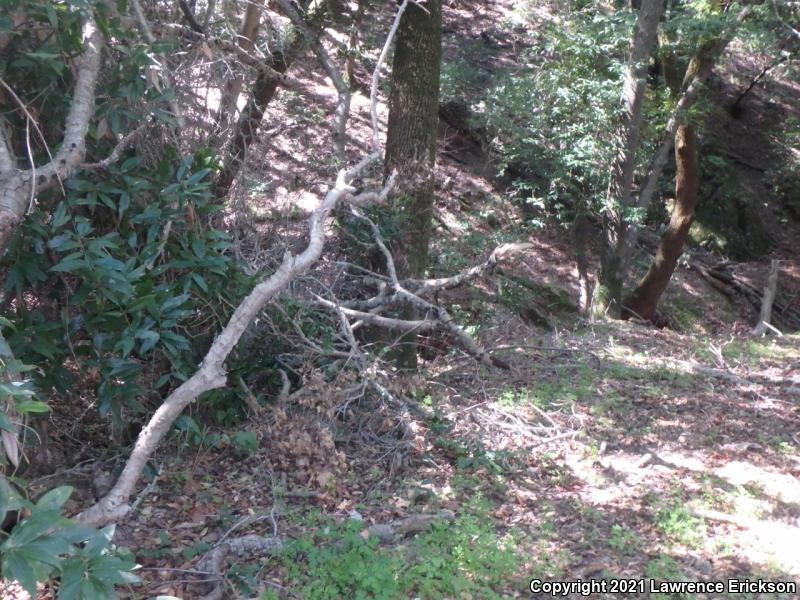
(45, 545)
(138, 274)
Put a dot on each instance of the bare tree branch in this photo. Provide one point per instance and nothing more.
(163, 70)
(17, 186)
(123, 144)
(211, 374)
(373, 92)
(436, 316)
(189, 16)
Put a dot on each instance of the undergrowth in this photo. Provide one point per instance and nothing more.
(466, 558)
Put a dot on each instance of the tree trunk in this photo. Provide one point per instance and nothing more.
(608, 290)
(767, 301)
(233, 87)
(411, 142)
(264, 89)
(686, 93)
(246, 129)
(582, 228)
(18, 187)
(644, 300)
(352, 43)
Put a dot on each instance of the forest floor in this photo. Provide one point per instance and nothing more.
(608, 451)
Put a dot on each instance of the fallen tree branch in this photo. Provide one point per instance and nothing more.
(423, 287)
(123, 144)
(722, 278)
(245, 546)
(388, 532)
(211, 375)
(394, 292)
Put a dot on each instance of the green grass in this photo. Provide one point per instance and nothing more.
(680, 525)
(466, 558)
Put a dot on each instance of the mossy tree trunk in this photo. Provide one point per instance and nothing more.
(411, 142)
(608, 289)
(644, 300)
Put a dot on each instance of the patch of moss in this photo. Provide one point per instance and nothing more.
(532, 300)
(684, 312)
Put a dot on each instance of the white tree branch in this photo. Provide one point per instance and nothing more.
(114, 506)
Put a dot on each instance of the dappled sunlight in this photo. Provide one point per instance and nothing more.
(300, 395)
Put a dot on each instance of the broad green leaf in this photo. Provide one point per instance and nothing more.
(246, 440)
(5, 498)
(200, 281)
(72, 573)
(150, 339)
(62, 243)
(47, 551)
(100, 540)
(28, 407)
(16, 389)
(33, 527)
(6, 425)
(55, 498)
(197, 176)
(17, 568)
(60, 216)
(69, 263)
(174, 302)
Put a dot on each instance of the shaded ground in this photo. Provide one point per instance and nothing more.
(608, 451)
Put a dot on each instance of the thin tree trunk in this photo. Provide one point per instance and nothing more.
(736, 106)
(769, 298)
(697, 73)
(608, 290)
(264, 89)
(233, 87)
(411, 142)
(352, 43)
(643, 301)
(582, 229)
(18, 187)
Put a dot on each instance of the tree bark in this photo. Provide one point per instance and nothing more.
(582, 229)
(644, 299)
(608, 289)
(19, 186)
(233, 87)
(769, 298)
(697, 73)
(411, 134)
(411, 142)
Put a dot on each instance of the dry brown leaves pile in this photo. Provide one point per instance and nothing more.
(302, 431)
